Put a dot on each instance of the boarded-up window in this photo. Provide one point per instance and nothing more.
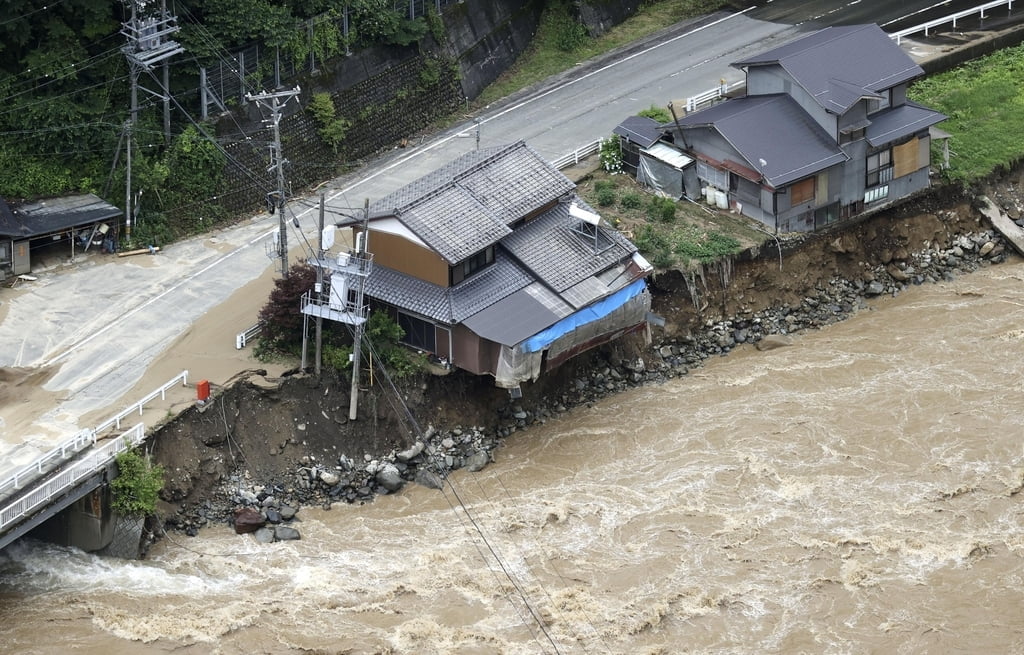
(801, 192)
(906, 158)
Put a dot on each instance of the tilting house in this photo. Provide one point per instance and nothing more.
(493, 265)
(825, 132)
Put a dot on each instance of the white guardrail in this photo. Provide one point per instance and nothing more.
(246, 336)
(72, 475)
(577, 155)
(82, 440)
(952, 18)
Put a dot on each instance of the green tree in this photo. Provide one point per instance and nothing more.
(137, 486)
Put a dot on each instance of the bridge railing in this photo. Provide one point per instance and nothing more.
(115, 421)
(83, 439)
(952, 18)
(92, 462)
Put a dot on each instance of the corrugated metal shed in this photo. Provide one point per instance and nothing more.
(669, 155)
(55, 215)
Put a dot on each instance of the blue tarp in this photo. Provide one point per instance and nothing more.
(588, 314)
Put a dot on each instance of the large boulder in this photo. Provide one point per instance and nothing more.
(389, 477)
(248, 520)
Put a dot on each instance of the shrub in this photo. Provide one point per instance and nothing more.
(659, 114)
(606, 197)
(661, 209)
(611, 155)
(332, 129)
(137, 485)
(631, 200)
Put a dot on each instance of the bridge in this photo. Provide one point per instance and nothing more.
(55, 480)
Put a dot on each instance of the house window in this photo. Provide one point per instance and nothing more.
(418, 333)
(467, 267)
(850, 137)
(5, 253)
(879, 168)
(712, 176)
(801, 192)
(878, 105)
(876, 194)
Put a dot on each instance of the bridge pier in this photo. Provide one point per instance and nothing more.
(88, 523)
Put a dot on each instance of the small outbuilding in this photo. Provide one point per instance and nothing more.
(82, 221)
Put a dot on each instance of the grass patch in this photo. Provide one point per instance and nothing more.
(984, 100)
(669, 234)
(557, 47)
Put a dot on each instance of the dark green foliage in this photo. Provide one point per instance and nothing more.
(137, 486)
(661, 209)
(281, 319)
(659, 114)
(631, 200)
(154, 229)
(606, 197)
(332, 128)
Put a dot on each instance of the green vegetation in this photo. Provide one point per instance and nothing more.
(561, 43)
(659, 114)
(983, 99)
(332, 128)
(670, 234)
(137, 486)
(611, 155)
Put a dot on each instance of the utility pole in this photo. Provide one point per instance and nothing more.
(275, 102)
(360, 324)
(320, 281)
(149, 43)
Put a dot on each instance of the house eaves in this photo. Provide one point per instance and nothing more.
(899, 122)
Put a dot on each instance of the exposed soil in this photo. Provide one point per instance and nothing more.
(263, 428)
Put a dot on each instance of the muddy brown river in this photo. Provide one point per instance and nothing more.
(857, 492)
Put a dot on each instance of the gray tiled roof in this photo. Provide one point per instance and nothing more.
(548, 247)
(773, 134)
(467, 204)
(452, 304)
(641, 130)
(901, 121)
(858, 56)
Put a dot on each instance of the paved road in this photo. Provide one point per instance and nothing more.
(101, 324)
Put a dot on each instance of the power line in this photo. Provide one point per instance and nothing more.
(455, 492)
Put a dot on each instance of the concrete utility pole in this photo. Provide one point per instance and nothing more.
(360, 325)
(275, 102)
(149, 43)
(320, 282)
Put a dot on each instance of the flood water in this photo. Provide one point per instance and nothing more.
(858, 492)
